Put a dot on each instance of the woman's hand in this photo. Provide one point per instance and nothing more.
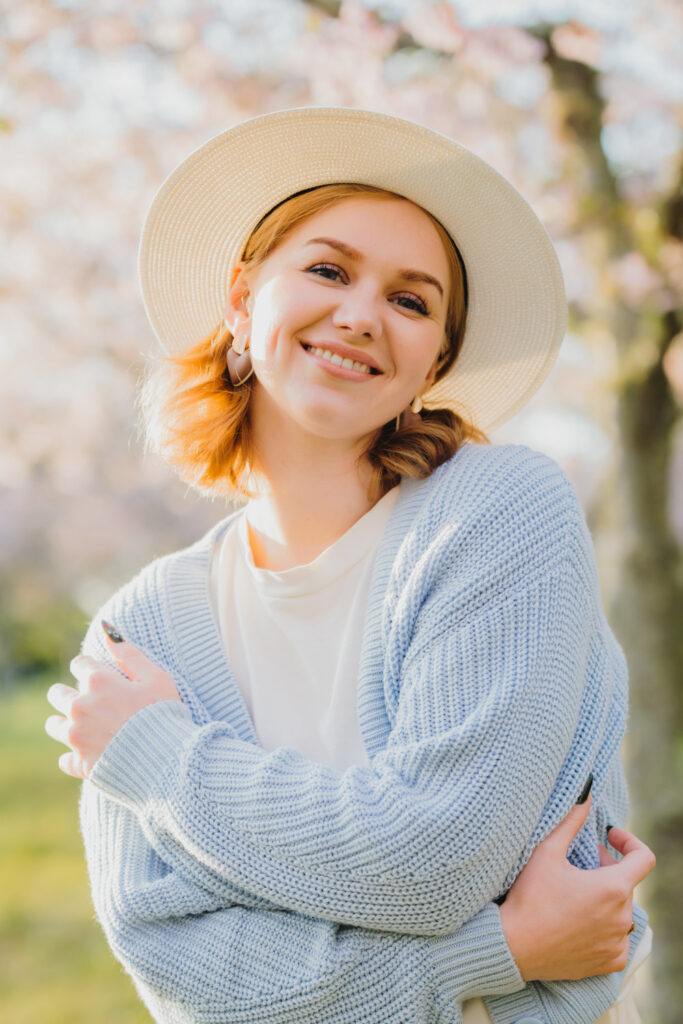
(562, 922)
(105, 699)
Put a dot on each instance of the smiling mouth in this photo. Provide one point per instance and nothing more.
(337, 360)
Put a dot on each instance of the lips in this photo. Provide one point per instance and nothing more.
(342, 355)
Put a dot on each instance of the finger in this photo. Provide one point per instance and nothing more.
(119, 647)
(57, 727)
(637, 861)
(83, 666)
(617, 837)
(71, 764)
(563, 834)
(623, 841)
(606, 858)
(129, 658)
(60, 696)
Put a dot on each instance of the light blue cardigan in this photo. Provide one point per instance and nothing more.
(236, 884)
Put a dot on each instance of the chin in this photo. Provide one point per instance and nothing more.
(335, 426)
(321, 415)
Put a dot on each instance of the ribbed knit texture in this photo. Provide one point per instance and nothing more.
(240, 885)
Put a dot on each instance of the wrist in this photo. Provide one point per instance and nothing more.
(473, 961)
(513, 929)
(144, 753)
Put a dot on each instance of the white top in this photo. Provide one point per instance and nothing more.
(293, 637)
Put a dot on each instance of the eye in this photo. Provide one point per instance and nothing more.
(416, 303)
(331, 271)
(327, 270)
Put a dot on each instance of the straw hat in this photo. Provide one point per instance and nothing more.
(200, 218)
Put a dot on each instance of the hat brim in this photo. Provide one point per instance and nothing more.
(200, 218)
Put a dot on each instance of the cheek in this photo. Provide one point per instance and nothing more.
(416, 355)
(264, 336)
(272, 343)
(281, 311)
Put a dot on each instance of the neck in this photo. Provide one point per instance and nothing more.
(311, 490)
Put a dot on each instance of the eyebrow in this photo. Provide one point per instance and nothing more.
(353, 254)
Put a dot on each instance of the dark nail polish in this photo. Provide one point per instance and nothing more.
(586, 790)
(112, 633)
(609, 827)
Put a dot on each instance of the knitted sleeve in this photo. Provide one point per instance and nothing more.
(196, 961)
(499, 678)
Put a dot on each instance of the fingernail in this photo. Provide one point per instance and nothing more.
(609, 827)
(112, 633)
(586, 790)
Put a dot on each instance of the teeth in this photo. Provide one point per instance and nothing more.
(350, 364)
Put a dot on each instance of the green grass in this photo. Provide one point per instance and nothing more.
(55, 964)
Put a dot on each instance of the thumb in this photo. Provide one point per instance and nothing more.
(563, 834)
(129, 658)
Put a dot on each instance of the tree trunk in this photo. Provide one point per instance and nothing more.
(647, 611)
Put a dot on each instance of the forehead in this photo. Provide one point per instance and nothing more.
(391, 230)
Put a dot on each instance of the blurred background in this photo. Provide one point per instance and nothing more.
(579, 104)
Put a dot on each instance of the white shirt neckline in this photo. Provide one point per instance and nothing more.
(330, 565)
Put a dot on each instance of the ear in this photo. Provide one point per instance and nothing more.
(237, 309)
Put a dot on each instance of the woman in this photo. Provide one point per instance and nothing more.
(335, 753)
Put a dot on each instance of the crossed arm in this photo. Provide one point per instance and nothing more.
(436, 827)
(234, 882)
(247, 835)
(195, 958)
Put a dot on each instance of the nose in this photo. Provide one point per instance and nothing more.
(357, 311)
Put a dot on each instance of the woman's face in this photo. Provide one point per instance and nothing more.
(363, 284)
